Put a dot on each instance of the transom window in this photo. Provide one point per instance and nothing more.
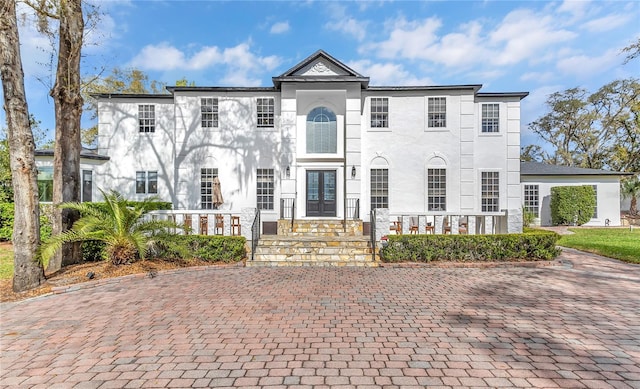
(206, 187)
(490, 118)
(437, 189)
(265, 111)
(322, 132)
(379, 188)
(532, 199)
(265, 188)
(209, 112)
(437, 112)
(146, 118)
(490, 191)
(379, 112)
(146, 182)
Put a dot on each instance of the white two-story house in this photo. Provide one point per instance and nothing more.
(320, 143)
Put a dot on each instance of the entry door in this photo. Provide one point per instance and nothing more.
(321, 193)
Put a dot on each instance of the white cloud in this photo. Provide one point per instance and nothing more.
(341, 22)
(584, 66)
(280, 28)
(240, 66)
(537, 76)
(387, 73)
(407, 39)
(607, 23)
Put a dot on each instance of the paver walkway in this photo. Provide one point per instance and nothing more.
(573, 325)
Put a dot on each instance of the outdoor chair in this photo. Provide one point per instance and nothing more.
(204, 225)
(413, 224)
(235, 225)
(219, 224)
(397, 226)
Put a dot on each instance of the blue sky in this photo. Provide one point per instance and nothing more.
(540, 47)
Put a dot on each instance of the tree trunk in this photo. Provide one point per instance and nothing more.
(633, 209)
(28, 272)
(68, 106)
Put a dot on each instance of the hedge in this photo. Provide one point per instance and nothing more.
(572, 204)
(210, 248)
(534, 245)
(6, 221)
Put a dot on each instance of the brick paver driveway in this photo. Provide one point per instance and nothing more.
(563, 326)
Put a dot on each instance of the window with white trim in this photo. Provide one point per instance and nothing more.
(379, 188)
(379, 112)
(146, 118)
(532, 199)
(322, 131)
(437, 112)
(437, 189)
(265, 111)
(265, 189)
(209, 112)
(490, 191)
(146, 182)
(206, 187)
(490, 118)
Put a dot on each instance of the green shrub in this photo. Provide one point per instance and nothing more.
(6, 222)
(535, 245)
(93, 251)
(149, 206)
(210, 248)
(572, 204)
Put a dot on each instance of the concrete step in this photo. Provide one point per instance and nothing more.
(319, 227)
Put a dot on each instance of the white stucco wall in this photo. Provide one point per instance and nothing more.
(608, 196)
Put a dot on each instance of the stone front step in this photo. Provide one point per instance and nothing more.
(313, 251)
(319, 227)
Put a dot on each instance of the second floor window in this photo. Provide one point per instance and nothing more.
(146, 182)
(437, 112)
(146, 118)
(209, 112)
(490, 118)
(379, 112)
(265, 112)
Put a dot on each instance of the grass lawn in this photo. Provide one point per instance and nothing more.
(618, 243)
(6, 261)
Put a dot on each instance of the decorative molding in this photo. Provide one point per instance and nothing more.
(320, 69)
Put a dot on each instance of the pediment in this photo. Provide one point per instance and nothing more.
(320, 67)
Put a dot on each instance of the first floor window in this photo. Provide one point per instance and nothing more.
(265, 188)
(206, 187)
(490, 117)
(437, 112)
(490, 191)
(209, 112)
(265, 111)
(532, 199)
(595, 207)
(146, 118)
(146, 182)
(45, 184)
(379, 112)
(379, 188)
(437, 189)
(87, 185)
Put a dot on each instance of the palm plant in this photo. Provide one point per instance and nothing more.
(631, 188)
(121, 227)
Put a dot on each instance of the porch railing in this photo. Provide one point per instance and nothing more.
(288, 209)
(201, 221)
(353, 209)
(255, 233)
(449, 223)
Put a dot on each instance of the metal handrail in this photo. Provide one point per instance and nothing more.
(372, 230)
(293, 213)
(352, 209)
(255, 233)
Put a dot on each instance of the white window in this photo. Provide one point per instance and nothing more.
(490, 118)
(437, 112)
(265, 111)
(45, 184)
(379, 188)
(206, 187)
(532, 199)
(322, 131)
(146, 118)
(490, 191)
(265, 189)
(87, 185)
(209, 112)
(379, 112)
(146, 182)
(437, 189)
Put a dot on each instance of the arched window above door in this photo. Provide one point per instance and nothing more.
(322, 133)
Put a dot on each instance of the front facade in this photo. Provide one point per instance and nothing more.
(321, 144)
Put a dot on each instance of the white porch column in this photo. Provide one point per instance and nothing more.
(488, 224)
(471, 226)
(382, 223)
(455, 225)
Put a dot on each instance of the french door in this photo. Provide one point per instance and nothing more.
(321, 193)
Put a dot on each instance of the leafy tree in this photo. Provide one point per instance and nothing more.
(132, 81)
(631, 188)
(184, 82)
(633, 51)
(123, 228)
(599, 130)
(28, 273)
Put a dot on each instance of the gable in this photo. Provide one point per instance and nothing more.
(320, 66)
